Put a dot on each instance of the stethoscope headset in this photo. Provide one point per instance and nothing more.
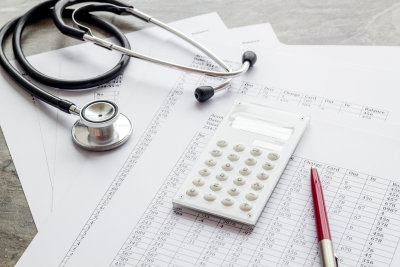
(101, 125)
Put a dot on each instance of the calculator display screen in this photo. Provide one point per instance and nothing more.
(274, 129)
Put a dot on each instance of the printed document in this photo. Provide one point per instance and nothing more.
(119, 212)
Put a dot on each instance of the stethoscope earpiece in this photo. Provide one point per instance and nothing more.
(101, 126)
(203, 93)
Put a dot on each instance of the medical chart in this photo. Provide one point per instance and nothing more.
(102, 213)
(309, 83)
(260, 90)
(362, 213)
(48, 148)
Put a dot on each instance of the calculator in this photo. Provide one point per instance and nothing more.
(238, 170)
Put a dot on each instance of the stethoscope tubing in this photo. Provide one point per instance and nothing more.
(62, 83)
(85, 33)
(43, 10)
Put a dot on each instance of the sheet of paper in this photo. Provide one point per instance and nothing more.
(379, 58)
(20, 120)
(48, 148)
(262, 34)
(130, 185)
(313, 84)
(71, 158)
(375, 58)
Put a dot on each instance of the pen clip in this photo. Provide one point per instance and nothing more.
(337, 260)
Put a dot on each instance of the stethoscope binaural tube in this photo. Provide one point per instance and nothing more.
(202, 93)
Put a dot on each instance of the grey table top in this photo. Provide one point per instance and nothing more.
(301, 22)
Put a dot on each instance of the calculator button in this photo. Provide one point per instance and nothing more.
(216, 153)
(239, 148)
(268, 166)
(239, 181)
(222, 176)
(262, 175)
(204, 172)
(228, 166)
(210, 162)
(246, 206)
(198, 181)
(256, 152)
(233, 157)
(228, 201)
(251, 196)
(250, 161)
(257, 186)
(210, 196)
(233, 191)
(216, 186)
(273, 156)
(245, 171)
(222, 143)
(192, 192)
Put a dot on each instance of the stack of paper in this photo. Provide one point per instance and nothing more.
(114, 208)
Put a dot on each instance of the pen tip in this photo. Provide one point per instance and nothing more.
(313, 167)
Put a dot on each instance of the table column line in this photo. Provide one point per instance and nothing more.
(172, 258)
(341, 239)
(297, 220)
(374, 223)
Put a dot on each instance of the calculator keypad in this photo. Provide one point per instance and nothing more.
(228, 166)
(273, 156)
(239, 181)
(198, 181)
(251, 196)
(245, 206)
(262, 175)
(205, 172)
(239, 147)
(245, 171)
(216, 186)
(233, 157)
(222, 176)
(216, 153)
(233, 191)
(210, 162)
(222, 143)
(268, 166)
(210, 196)
(192, 192)
(226, 181)
(250, 161)
(256, 152)
(228, 201)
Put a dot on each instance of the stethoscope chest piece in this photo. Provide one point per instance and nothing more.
(101, 126)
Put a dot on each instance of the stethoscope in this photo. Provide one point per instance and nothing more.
(101, 125)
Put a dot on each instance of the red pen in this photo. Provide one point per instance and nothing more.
(328, 257)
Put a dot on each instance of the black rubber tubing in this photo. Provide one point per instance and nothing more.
(70, 84)
(44, 10)
(59, 8)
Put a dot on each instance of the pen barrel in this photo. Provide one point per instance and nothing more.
(320, 214)
(327, 255)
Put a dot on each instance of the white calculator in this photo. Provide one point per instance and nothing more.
(240, 167)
